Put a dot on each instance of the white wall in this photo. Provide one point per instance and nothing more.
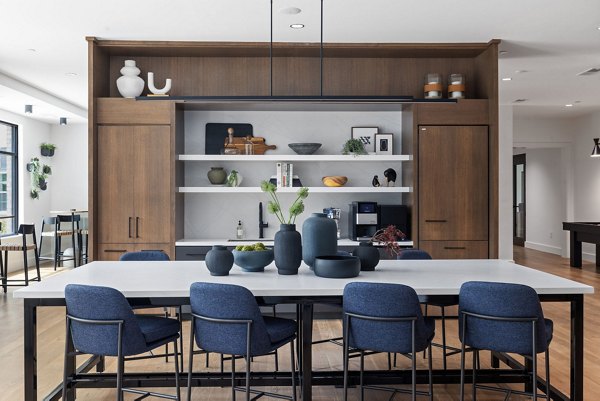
(545, 199)
(69, 179)
(505, 118)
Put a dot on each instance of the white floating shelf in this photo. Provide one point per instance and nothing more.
(296, 158)
(241, 190)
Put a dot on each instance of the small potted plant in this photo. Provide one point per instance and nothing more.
(47, 149)
(288, 242)
(354, 147)
(369, 254)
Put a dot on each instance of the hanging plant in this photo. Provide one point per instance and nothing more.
(39, 174)
(47, 149)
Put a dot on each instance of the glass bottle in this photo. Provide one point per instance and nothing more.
(239, 232)
(456, 86)
(249, 146)
(433, 86)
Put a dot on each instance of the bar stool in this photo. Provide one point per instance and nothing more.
(58, 233)
(24, 230)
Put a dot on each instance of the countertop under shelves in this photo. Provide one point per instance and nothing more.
(241, 190)
(296, 158)
(268, 242)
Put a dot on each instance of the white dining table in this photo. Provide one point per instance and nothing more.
(168, 283)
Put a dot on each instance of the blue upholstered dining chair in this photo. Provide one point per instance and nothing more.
(385, 318)
(144, 256)
(100, 321)
(226, 319)
(157, 256)
(442, 303)
(503, 317)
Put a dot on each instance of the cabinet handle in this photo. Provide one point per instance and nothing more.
(129, 228)
(455, 247)
(137, 223)
(195, 254)
(153, 250)
(436, 221)
(115, 250)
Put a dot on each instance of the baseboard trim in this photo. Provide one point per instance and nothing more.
(544, 248)
(590, 257)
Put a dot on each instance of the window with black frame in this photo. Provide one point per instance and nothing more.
(8, 178)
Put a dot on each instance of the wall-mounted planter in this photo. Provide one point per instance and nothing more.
(47, 149)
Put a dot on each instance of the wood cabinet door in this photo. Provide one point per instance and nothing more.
(152, 184)
(116, 169)
(453, 182)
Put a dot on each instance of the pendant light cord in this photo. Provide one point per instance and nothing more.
(271, 55)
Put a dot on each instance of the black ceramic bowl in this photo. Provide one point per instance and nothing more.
(337, 266)
(304, 148)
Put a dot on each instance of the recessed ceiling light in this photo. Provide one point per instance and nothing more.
(297, 26)
(519, 100)
(71, 74)
(521, 71)
(569, 105)
(31, 50)
(290, 10)
(507, 79)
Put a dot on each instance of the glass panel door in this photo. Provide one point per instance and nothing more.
(519, 200)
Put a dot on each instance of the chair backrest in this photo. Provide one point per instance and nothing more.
(48, 221)
(102, 303)
(226, 301)
(67, 218)
(384, 300)
(25, 230)
(506, 301)
(144, 256)
(414, 254)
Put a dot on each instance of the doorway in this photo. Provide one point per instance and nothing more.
(519, 208)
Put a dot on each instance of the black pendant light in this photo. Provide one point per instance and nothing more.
(596, 151)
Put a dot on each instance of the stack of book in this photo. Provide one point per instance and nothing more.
(285, 174)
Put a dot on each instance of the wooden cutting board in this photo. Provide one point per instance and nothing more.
(259, 145)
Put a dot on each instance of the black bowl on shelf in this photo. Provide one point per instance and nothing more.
(304, 148)
(338, 266)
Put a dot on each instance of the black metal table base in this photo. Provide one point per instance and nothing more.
(81, 378)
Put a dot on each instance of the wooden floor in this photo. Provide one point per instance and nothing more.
(326, 356)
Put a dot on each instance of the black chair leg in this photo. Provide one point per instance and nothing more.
(3, 273)
(120, 368)
(474, 397)
(248, 367)
(362, 370)
(293, 370)
(345, 361)
(37, 265)
(177, 386)
(56, 239)
(191, 361)
(430, 367)
(25, 267)
(547, 375)
(232, 377)
(444, 335)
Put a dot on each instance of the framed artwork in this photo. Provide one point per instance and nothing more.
(384, 144)
(367, 136)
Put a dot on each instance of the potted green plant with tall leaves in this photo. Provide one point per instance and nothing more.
(288, 242)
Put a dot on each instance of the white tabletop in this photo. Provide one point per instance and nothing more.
(173, 279)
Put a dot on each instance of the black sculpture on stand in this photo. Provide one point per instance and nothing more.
(390, 175)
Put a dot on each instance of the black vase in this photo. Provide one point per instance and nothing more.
(368, 255)
(319, 238)
(219, 260)
(288, 249)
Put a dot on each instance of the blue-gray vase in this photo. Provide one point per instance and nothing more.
(319, 238)
(219, 260)
(288, 249)
(368, 255)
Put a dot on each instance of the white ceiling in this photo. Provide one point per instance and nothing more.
(553, 40)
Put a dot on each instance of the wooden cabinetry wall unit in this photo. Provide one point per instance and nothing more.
(243, 69)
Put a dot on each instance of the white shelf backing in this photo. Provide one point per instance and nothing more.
(240, 190)
(296, 158)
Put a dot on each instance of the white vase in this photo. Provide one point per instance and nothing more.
(129, 84)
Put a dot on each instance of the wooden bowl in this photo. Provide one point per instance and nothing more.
(335, 180)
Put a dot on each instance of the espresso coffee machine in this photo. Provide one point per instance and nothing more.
(365, 218)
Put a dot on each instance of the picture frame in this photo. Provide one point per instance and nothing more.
(367, 136)
(384, 144)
